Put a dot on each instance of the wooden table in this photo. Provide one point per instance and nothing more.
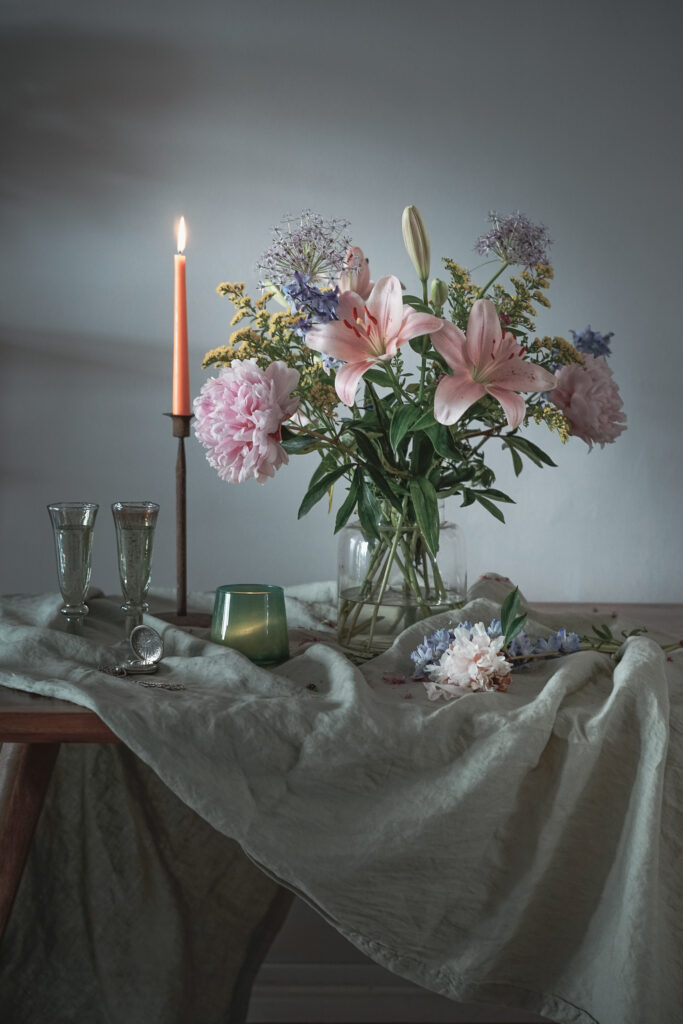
(32, 728)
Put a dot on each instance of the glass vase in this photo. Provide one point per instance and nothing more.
(390, 583)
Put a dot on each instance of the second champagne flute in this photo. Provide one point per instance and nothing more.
(135, 522)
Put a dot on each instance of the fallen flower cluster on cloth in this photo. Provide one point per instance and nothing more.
(475, 657)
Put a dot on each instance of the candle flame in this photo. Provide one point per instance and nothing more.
(182, 235)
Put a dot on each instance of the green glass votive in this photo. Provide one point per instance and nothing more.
(250, 617)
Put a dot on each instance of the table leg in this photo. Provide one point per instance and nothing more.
(25, 771)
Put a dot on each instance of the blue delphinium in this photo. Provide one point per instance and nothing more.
(515, 239)
(320, 305)
(560, 642)
(430, 651)
(592, 343)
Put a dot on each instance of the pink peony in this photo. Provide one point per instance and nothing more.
(239, 416)
(589, 397)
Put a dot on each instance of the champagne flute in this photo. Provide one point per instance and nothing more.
(135, 522)
(73, 523)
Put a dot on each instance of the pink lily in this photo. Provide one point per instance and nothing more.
(367, 332)
(356, 274)
(485, 362)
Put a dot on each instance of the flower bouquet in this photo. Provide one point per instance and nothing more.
(399, 394)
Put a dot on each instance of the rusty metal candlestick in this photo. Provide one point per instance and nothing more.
(181, 430)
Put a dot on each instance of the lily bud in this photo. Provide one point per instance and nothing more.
(416, 240)
(438, 293)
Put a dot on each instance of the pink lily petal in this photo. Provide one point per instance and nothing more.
(356, 275)
(450, 343)
(513, 404)
(385, 304)
(490, 360)
(368, 332)
(347, 377)
(483, 330)
(454, 397)
(335, 339)
(520, 375)
(414, 324)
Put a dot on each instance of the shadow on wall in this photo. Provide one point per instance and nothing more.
(73, 418)
(69, 100)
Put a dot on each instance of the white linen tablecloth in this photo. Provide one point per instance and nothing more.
(520, 848)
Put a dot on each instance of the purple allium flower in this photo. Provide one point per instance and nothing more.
(310, 246)
(592, 343)
(515, 239)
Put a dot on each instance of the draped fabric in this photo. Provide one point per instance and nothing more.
(519, 848)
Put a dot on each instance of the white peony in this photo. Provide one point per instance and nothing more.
(471, 662)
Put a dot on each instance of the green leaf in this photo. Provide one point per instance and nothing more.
(384, 487)
(318, 489)
(421, 454)
(368, 450)
(425, 421)
(517, 463)
(298, 444)
(401, 423)
(509, 609)
(489, 506)
(327, 464)
(349, 503)
(515, 628)
(417, 303)
(378, 377)
(495, 495)
(425, 503)
(368, 510)
(531, 450)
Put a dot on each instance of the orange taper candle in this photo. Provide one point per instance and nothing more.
(181, 370)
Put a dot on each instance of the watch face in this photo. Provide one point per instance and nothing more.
(146, 644)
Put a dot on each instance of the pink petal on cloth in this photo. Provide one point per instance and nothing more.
(347, 377)
(513, 404)
(453, 397)
(483, 329)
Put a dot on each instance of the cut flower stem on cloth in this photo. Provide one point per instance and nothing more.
(480, 658)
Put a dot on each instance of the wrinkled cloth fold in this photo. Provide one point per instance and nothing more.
(520, 848)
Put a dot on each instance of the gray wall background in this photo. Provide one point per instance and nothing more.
(117, 118)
